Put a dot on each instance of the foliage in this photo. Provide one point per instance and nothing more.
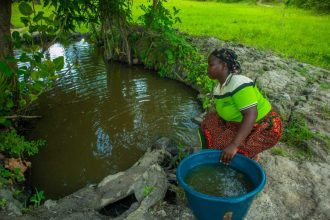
(161, 47)
(37, 198)
(295, 134)
(3, 203)
(179, 192)
(296, 131)
(279, 151)
(16, 146)
(35, 72)
(147, 190)
(72, 13)
(9, 177)
(115, 16)
(182, 153)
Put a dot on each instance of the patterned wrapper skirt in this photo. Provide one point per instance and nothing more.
(218, 133)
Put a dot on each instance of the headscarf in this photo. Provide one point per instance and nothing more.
(228, 56)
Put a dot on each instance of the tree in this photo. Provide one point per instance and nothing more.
(16, 95)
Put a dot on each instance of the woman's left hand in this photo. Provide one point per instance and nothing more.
(228, 153)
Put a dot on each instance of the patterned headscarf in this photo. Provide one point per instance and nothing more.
(228, 56)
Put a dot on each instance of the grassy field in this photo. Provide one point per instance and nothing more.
(290, 32)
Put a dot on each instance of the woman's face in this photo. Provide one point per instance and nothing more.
(216, 68)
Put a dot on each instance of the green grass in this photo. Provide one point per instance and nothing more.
(279, 151)
(290, 32)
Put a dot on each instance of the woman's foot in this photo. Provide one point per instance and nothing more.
(256, 158)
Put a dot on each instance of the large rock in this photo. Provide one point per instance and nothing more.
(294, 190)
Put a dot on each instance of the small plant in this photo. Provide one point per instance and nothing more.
(37, 198)
(325, 85)
(3, 203)
(296, 131)
(279, 151)
(147, 190)
(296, 134)
(179, 192)
(9, 176)
(17, 193)
(181, 154)
(16, 145)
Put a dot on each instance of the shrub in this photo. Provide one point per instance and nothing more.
(16, 146)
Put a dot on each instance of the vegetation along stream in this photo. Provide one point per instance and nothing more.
(99, 119)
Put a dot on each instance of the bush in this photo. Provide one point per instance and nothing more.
(16, 146)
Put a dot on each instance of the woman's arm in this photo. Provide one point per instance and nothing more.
(249, 118)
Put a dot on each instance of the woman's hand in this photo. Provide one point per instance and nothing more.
(228, 153)
(249, 117)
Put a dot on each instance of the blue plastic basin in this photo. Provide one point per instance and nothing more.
(211, 207)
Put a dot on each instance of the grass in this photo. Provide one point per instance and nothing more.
(290, 32)
(297, 134)
(325, 85)
(279, 151)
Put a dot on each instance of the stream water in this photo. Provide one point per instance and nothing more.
(100, 118)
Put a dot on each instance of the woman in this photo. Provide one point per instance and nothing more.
(244, 121)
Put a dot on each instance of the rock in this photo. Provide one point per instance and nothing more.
(13, 206)
(49, 204)
(162, 213)
(166, 144)
(293, 190)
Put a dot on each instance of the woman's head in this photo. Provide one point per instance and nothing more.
(223, 61)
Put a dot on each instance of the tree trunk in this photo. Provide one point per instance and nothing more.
(5, 16)
(6, 49)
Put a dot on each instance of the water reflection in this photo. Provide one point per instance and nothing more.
(103, 145)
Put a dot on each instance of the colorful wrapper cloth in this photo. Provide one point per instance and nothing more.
(218, 133)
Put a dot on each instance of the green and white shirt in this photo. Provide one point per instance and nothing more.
(236, 94)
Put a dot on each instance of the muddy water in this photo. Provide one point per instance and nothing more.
(100, 118)
(219, 180)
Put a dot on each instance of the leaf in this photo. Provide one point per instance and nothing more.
(9, 104)
(39, 16)
(33, 97)
(49, 20)
(25, 21)
(22, 103)
(4, 68)
(24, 58)
(37, 57)
(25, 9)
(16, 36)
(59, 63)
(42, 28)
(3, 120)
(35, 75)
(33, 28)
(27, 37)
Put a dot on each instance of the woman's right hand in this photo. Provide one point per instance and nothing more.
(228, 153)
